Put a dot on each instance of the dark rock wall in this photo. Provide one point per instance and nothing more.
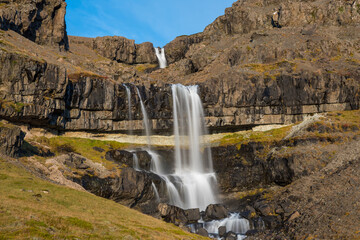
(41, 94)
(42, 21)
(11, 140)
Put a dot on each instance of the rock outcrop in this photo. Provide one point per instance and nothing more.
(125, 50)
(177, 215)
(42, 21)
(11, 140)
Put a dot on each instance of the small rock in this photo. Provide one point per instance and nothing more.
(45, 191)
(230, 236)
(203, 232)
(37, 195)
(293, 216)
(98, 149)
(222, 231)
(251, 232)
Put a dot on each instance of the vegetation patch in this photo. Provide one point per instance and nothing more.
(83, 146)
(23, 216)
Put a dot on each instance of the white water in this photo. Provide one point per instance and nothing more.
(136, 162)
(160, 54)
(193, 183)
(128, 93)
(145, 120)
(156, 192)
(234, 223)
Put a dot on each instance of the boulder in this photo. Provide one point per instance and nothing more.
(11, 140)
(41, 21)
(120, 157)
(222, 231)
(215, 212)
(203, 232)
(177, 215)
(230, 236)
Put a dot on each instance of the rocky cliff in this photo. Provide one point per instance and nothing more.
(41, 21)
(249, 72)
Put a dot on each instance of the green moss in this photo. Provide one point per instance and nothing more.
(341, 9)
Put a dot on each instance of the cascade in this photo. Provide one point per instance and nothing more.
(192, 182)
(160, 54)
(145, 120)
(136, 161)
(128, 93)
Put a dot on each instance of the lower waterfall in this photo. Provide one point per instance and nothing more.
(191, 181)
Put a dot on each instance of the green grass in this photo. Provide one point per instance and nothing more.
(64, 213)
(83, 146)
(334, 123)
(252, 136)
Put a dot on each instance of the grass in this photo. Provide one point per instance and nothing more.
(333, 126)
(16, 106)
(145, 67)
(82, 146)
(64, 213)
(252, 136)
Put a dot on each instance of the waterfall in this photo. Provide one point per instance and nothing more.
(136, 161)
(160, 54)
(193, 183)
(234, 223)
(128, 93)
(156, 192)
(193, 162)
(145, 119)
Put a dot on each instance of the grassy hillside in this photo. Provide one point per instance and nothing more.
(34, 208)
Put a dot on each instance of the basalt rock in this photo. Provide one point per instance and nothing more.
(215, 212)
(42, 21)
(129, 158)
(177, 215)
(124, 50)
(11, 140)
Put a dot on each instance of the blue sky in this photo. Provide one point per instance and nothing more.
(156, 21)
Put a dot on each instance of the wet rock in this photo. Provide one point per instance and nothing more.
(192, 215)
(230, 236)
(215, 212)
(203, 232)
(177, 215)
(11, 140)
(144, 159)
(222, 231)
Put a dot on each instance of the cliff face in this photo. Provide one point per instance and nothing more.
(248, 72)
(41, 21)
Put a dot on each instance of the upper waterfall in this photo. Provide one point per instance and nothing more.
(160, 54)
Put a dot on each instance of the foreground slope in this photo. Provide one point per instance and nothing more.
(31, 207)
